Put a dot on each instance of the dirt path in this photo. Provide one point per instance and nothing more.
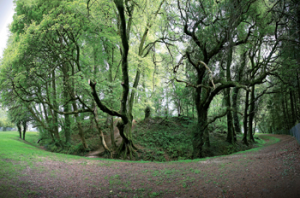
(273, 171)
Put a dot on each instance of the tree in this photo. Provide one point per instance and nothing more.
(19, 115)
(207, 31)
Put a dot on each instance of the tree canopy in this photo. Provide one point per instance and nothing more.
(233, 65)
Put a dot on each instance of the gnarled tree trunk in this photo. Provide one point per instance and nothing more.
(198, 140)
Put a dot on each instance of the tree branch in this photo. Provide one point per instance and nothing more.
(102, 106)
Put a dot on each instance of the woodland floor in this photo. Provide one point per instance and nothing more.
(272, 171)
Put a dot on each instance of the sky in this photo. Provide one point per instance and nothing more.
(6, 14)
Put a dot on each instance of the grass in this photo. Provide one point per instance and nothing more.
(15, 151)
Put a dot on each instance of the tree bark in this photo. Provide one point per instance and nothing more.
(251, 114)
(246, 119)
(101, 135)
(24, 123)
(290, 122)
(236, 119)
(285, 115)
(292, 108)
(230, 137)
(198, 133)
(67, 124)
(110, 119)
(55, 105)
(80, 129)
(19, 129)
(230, 134)
(235, 99)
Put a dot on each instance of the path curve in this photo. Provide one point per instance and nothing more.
(273, 171)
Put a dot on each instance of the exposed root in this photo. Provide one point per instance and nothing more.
(128, 150)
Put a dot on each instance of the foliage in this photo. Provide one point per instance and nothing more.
(6, 123)
(200, 59)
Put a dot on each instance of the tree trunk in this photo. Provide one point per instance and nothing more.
(48, 120)
(75, 108)
(127, 145)
(251, 115)
(110, 119)
(230, 136)
(50, 117)
(236, 119)
(112, 131)
(67, 124)
(52, 124)
(24, 123)
(290, 122)
(285, 115)
(55, 105)
(198, 133)
(297, 112)
(206, 138)
(147, 112)
(102, 139)
(80, 129)
(298, 83)
(292, 108)
(167, 102)
(246, 118)
(19, 129)
(235, 99)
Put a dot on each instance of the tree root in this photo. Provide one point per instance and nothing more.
(128, 150)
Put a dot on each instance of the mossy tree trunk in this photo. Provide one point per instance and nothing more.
(110, 119)
(55, 105)
(236, 119)
(235, 98)
(112, 131)
(80, 129)
(67, 124)
(251, 114)
(246, 118)
(198, 134)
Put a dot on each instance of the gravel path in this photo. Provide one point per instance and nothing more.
(273, 171)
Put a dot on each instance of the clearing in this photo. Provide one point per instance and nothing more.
(270, 171)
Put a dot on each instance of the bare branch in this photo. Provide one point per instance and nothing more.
(102, 106)
(210, 73)
(222, 115)
(195, 86)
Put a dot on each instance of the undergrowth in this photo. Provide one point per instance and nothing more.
(159, 139)
(165, 138)
(169, 139)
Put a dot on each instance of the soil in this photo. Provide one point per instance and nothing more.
(273, 171)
